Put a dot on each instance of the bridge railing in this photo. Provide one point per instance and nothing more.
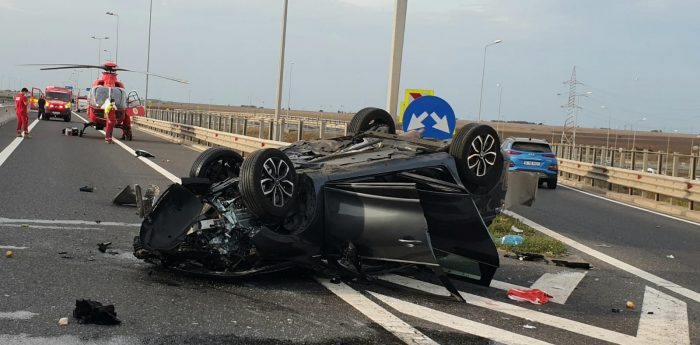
(257, 124)
(205, 136)
(656, 162)
(7, 113)
(665, 193)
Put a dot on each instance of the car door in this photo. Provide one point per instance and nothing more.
(34, 101)
(383, 220)
(134, 106)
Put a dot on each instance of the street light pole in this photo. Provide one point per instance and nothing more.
(400, 8)
(289, 89)
(275, 130)
(668, 153)
(634, 132)
(500, 98)
(116, 58)
(607, 140)
(99, 48)
(483, 72)
(148, 53)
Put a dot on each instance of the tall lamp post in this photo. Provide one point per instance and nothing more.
(116, 57)
(289, 88)
(275, 131)
(607, 140)
(483, 72)
(148, 51)
(99, 48)
(500, 99)
(634, 131)
(668, 152)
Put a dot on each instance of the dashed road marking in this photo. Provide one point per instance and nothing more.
(559, 285)
(5, 153)
(609, 259)
(13, 247)
(147, 161)
(376, 313)
(17, 315)
(64, 222)
(458, 323)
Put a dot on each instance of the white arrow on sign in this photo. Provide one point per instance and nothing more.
(417, 121)
(670, 325)
(440, 123)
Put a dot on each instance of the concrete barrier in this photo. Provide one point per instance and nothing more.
(7, 114)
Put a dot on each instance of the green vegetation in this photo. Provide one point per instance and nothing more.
(535, 241)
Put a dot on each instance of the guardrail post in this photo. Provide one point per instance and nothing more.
(262, 128)
(322, 129)
(220, 119)
(271, 130)
(200, 120)
(245, 127)
(300, 130)
(659, 161)
(231, 120)
(595, 156)
(693, 167)
(633, 159)
(282, 129)
(674, 172)
(645, 160)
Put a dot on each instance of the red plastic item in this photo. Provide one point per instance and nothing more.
(534, 296)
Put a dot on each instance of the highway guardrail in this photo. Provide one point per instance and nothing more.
(205, 136)
(655, 187)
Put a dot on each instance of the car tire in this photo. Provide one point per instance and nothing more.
(268, 184)
(477, 151)
(552, 183)
(371, 119)
(217, 164)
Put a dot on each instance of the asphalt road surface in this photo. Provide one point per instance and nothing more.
(53, 229)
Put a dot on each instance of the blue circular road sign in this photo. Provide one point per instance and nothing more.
(432, 114)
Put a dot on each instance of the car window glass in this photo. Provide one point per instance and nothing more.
(58, 96)
(531, 147)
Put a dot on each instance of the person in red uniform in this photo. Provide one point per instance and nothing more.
(111, 117)
(21, 109)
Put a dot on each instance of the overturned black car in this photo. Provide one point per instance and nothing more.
(354, 205)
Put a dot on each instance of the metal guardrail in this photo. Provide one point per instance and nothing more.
(682, 189)
(206, 136)
(231, 121)
(658, 162)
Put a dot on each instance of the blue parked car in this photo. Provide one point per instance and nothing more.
(527, 154)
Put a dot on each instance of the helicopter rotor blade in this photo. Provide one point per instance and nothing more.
(153, 74)
(62, 66)
(72, 67)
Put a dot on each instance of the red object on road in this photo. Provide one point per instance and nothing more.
(534, 296)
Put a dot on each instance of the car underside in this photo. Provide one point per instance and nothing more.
(353, 205)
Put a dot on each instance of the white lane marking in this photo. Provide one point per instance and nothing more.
(559, 285)
(25, 339)
(668, 323)
(12, 247)
(66, 222)
(17, 315)
(147, 161)
(609, 259)
(5, 154)
(497, 284)
(632, 206)
(52, 227)
(461, 324)
(510, 309)
(376, 313)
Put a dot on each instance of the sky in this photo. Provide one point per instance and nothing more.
(638, 59)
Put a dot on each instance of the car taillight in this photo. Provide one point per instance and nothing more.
(553, 167)
(512, 153)
(550, 155)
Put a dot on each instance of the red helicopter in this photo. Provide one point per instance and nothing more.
(107, 87)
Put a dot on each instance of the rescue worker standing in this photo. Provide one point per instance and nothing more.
(41, 108)
(21, 110)
(111, 118)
